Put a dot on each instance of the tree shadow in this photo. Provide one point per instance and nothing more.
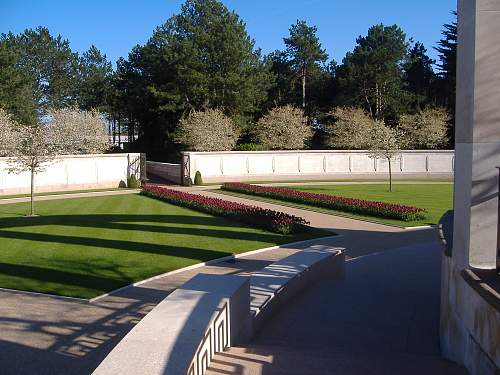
(180, 225)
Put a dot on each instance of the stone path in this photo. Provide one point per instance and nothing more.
(68, 195)
(382, 319)
(40, 334)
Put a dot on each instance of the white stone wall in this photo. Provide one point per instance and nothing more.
(282, 165)
(73, 172)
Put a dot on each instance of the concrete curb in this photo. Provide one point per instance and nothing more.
(208, 263)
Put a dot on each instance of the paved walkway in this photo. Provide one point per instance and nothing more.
(40, 334)
(68, 195)
(382, 319)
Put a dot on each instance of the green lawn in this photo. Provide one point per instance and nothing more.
(435, 198)
(87, 246)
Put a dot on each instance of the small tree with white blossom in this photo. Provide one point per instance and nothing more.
(386, 143)
(30, 148)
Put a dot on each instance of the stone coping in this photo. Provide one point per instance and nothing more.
(87, 156)
(310, 152)
(167, 339)
(209, 313)
(268, 283)
(487, 285)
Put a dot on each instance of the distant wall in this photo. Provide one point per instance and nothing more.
(286, 165)
(166, 171)
(74, 172)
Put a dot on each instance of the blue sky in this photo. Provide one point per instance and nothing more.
(115, 26)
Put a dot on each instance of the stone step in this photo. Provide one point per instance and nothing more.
(281, 360)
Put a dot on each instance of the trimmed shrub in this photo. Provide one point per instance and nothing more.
(357, 206)
(274, 221)
(197, 178)
(283, 128)
(133, 183)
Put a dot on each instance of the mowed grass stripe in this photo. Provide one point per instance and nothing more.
(83, 247)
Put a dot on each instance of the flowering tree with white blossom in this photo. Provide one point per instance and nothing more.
(30, 148)
(209, 130)
(386, 143)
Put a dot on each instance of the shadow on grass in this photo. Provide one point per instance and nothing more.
(103, 273)
(182, 225)
(66, 278)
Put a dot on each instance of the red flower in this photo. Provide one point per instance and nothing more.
(359, 206)
(268, 219)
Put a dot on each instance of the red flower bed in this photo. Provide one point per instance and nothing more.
(358, 206)
(268, 219)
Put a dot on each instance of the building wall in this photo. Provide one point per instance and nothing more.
(73, 172)
(470, 323)
(283, 165)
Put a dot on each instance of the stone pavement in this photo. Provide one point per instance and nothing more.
(383, 318)
(40, 334)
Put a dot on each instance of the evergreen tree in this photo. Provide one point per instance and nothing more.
(49, 63)
(201, 58)
(281, 92)
(447, 49)
(372, 76)
(304, 51)
(446, 84)
(95, 81)
(420, 76)
(16, 91)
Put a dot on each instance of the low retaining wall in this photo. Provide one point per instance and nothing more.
(183, 333)
(75, 172)
(166, 171)
(296, 165)
(210, 313)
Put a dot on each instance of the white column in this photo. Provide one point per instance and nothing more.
(477, 134)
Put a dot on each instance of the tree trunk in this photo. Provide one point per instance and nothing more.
(114, 131)
(390, 174)
(119, 131)
(32, 192)
(303, 88)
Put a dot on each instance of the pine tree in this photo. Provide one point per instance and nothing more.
(447, 49)
(446, 84)
(372, 76)
(49, 63)
(94, 81)
(201, 58)
(419, 76)
(304, 51)
(16, 91)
